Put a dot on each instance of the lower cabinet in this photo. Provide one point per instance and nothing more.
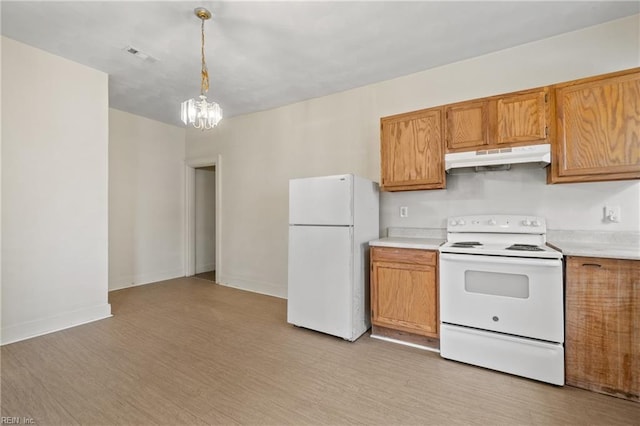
(404, 290)
(602, 343)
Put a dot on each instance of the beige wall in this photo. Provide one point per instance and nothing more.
(340, 134)
(146, 200)
(54, 192)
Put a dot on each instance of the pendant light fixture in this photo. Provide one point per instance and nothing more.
(200, 113)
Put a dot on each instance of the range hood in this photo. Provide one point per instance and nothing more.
(499, 159)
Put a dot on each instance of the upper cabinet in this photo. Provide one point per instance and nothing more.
(412, 151)
(598, 123)
(592, 125)
(523, 117)
(520, 118)
(467, 124)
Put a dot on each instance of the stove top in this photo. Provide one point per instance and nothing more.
(498, 235)
(501, 249)
(524, 247)
(466, 244)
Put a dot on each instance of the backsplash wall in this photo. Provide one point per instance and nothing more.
(521, 190)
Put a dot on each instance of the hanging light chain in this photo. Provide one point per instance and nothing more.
(204, 86)
(201, 113)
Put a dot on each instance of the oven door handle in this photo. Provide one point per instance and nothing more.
(506, 260)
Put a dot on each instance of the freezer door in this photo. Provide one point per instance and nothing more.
(323, 200)
(320, 279)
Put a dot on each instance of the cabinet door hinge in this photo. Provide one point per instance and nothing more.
(546, 98)
(546, 131)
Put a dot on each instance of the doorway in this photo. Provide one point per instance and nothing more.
(203, 219)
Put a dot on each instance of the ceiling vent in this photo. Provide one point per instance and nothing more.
(139, 54)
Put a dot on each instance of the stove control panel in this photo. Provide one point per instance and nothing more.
(514, 224)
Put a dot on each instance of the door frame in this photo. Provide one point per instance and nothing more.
(190, 212)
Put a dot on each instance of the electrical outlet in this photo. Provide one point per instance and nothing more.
(404, 211)
(612, 214)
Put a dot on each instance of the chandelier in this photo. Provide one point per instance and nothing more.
(201, 113)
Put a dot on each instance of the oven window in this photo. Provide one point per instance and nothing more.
(497, 284)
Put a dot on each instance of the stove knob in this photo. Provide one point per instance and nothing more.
(535, 223)
(526, 222)
(492, 222)
(453, 222)
(461, 222)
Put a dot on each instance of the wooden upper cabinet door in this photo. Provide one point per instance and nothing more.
(412, 151)
(598, 129)
(467, 125)
(522, 117)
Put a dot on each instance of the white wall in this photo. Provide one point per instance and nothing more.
(205, 211)
(54, 192)
(340, 133)
(521, 190)
(146, 200)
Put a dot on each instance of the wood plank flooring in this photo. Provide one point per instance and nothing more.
(210, 275)
(191, 352)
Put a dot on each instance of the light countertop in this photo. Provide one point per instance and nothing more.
(610, 250)
(408, 242)
(613, 245)
(605, 244)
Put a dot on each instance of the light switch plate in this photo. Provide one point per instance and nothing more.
(404, 211)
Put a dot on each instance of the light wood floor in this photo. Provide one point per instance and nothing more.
(209, 276)
(187, 351)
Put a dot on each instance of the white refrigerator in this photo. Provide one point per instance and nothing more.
(331, 221)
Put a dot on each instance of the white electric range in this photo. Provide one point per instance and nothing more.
(501, 296)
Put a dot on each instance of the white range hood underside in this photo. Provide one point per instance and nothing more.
(540, 154)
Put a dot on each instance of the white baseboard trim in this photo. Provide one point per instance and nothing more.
(269, 289)
(28, 330)
(205, 268)
(402, 342)
(127, 281)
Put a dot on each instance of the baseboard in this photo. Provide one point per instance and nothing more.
(27, 330)
(127, 281)
(269, 289)
(205, 268)
(402, 342)
(405, 338)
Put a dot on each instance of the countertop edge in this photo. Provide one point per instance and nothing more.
(602, 251)
(408, 242)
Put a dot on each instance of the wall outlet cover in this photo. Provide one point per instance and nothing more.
(612, 214)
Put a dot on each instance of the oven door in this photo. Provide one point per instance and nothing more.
(518, 296)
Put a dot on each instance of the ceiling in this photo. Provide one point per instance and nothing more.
(266, 54)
